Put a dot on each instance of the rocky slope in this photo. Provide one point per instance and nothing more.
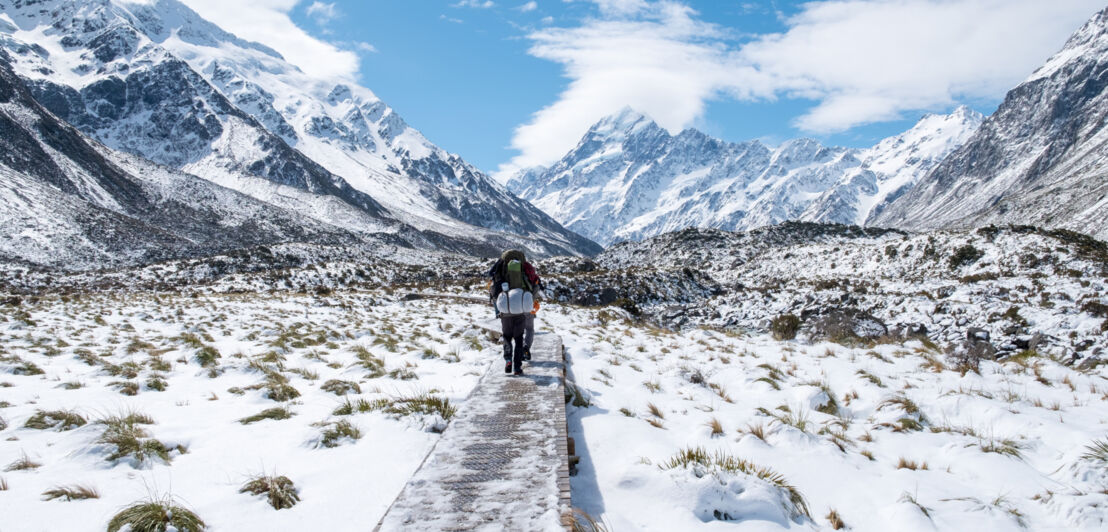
(156, 80)
(630, 179)
(1018, 286)
(1042, 158)
(71, 203)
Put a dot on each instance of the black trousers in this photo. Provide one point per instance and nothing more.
(512, 327)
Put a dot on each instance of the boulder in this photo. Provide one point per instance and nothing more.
(844, 322)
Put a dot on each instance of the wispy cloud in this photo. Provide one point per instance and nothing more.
(322, 12)
(268, 22)
(860, 61)
(528, 7)
(479, 4)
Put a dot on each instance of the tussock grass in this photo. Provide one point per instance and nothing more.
(773, 384)
(905, 463)
(208, 356)
(280, 492)
(720, 462)
(583, 522)
(1003, 446)
(71, 493)
(3, 484)
(758, 431)
(62, 420)
(715, 426)
(341, 387)
(131, 440)
(24, 463)
(277, 387)
(419, 404)
(1097, 451)
(3, 423)
(655, 411)
(277, 413)
(871, 377)
(835, 521)
(911, 498)
(156, 515)
(374, 366)
(335, 432)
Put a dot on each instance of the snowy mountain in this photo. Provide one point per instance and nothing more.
(71, 203)
(1041, 159)
(156, 80)
(630, 179)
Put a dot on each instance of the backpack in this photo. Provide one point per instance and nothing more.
(514, 276)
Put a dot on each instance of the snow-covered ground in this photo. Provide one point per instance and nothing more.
(886, 437)
(144, 339)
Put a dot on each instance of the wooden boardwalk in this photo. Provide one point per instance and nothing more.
(503, 463)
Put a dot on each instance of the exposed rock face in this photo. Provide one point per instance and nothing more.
(1041, 159)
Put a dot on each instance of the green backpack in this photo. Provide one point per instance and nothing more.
(514, 275)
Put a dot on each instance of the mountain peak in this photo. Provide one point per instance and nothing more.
(626, 120)
(1089, 43)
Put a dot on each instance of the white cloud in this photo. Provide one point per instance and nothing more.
(529, 6)
(861, 61)
(322, 13)
(268, 22)
(475, 4)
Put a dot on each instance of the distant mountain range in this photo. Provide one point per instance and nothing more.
(1042, 159)
(629, 179)
(155, 80)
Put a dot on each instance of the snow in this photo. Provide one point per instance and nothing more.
(344, 488)
(628, 179)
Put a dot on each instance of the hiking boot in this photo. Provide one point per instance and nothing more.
(508, 367)
(527, 354)
(518, 372)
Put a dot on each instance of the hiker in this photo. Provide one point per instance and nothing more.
(529, 326)
(513, 295)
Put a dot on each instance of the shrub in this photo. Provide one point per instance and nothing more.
(340, 387)
(71, 493)
(278, 413)
(965, 255)
(60, 419)
(784, 327)
(156, 516)
(280, 491)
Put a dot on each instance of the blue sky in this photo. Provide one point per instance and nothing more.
(510, 83)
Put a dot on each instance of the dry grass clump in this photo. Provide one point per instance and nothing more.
(719, 462)
(71, 493)
(335, 432)
(277, 413)
(1097, 451)
(279, 490)
(277, 387)
(583, 522)
(3, 484)
(131, 440)
(24, 463)
(156, 516)
(835, 521)
(373, 365)
(3, 423)
(62, 420)
(905, 463)
(715, 426)
(341, 387)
